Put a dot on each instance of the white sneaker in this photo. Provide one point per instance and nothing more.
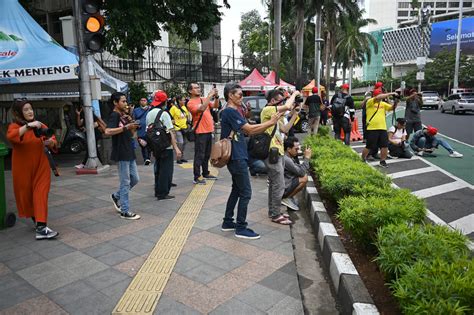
(419, 153)
(456, 154)
(290, 204)
(79, 166)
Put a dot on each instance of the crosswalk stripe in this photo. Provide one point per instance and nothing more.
(465, 224)
(438, 190)
(412, 172)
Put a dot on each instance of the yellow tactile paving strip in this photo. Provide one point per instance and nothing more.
(144, 292)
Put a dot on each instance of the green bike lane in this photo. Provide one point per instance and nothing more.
(462, 168)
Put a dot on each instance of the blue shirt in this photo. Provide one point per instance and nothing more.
(140, 114)
(232, 120)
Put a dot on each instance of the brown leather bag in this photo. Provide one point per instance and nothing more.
(222, 151)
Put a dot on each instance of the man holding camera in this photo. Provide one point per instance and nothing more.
(342, 110)
(203, 124)
(412, 112)
(377, 136)
(121, 130)
(275, 161)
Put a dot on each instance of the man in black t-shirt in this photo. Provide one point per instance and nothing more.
(121, 128)
(343, 113)
(314, 111)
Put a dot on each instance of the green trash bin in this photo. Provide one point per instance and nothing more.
(7, 219)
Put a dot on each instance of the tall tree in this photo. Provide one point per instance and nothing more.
(135, 25)
(253, 41)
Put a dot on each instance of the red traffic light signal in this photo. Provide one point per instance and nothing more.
(93, 25)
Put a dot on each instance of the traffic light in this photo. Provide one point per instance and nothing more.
(93, 25)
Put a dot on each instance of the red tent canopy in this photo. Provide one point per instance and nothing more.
(271, 77)
(256, 82)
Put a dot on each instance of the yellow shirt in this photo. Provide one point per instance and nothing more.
(180, 118)
(378, 121)
(277, 140)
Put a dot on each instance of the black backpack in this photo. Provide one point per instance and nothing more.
(259, 145)
(157, 136)
(339, 105)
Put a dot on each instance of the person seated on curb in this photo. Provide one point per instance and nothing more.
(424, 141)
(397, 137)
(296, 175)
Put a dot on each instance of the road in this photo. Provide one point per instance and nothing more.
(459, 127)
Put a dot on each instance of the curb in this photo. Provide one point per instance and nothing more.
(351, 292)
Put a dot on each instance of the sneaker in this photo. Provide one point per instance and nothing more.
(383, 164)
(147, 162)
(247, 234)
(290, 204)
(44, 232)
(79, 166)
(174, 185)
(392, 157)
(210, 177)
(116, 203)
(199, 181)
(129, 215)
(184, 161)
(228, 226)
(369, 158)
(179, 162)
(455, 154)
(419, 153)
(167, 197)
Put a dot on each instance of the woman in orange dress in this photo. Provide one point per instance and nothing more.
(30, 167)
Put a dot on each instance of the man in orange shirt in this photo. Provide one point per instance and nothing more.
(200, 108)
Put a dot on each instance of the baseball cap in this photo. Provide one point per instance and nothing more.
(159, 97)
(378, 85)
(314, 89)
(376, 92)
(345, 86)
(431, 130)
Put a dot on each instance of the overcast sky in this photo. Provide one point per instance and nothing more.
(231, 21)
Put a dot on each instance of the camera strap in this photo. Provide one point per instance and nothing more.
(372, 117)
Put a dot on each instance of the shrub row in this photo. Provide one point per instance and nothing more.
(427, 267)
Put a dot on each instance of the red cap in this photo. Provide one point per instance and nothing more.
(345, 86)
(159, 97)
(376, 92)
(432, 131)
(378, 85)
(314, 90)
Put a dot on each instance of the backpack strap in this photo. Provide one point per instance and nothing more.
(274, 127)
(158, 116)
(370, 119)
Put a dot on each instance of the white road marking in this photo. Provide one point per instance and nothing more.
(438, 190)
(465, 224)
(391, 161)
(358, 146)
(412, 172)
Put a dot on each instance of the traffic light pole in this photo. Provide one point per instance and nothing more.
(458, 48)
(85, 88)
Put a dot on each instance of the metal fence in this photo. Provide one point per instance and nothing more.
(174, 64)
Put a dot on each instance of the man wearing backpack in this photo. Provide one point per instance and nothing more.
(342, 110)
(161, 121)
(140, 114)
(377, 136)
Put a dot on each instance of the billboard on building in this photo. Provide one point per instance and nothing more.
(444, 36)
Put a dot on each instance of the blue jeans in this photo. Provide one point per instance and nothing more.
(257, 167)
(128, 175)
(434, 143)
(241, 192)
(163, 173)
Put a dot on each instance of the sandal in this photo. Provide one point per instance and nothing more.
(286, 215)
(282, 220)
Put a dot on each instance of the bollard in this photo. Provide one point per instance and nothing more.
(6, 219)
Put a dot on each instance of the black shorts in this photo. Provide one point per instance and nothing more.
(376, 139)
(292, 186)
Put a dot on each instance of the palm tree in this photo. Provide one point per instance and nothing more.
(354, 46)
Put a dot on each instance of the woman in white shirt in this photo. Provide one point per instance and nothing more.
(397, 137)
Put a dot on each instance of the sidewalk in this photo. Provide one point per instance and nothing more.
(89, 267)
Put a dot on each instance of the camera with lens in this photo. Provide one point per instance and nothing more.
(43, 132)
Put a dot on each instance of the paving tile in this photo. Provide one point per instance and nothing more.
(227, 262)
(289, 268)
(186, 263)
(71, 292)
(36, 271)
(235, 307)
(105, 278)
(26, 261)
(204, 273)
(100, 249)
(36, 305)
(14, 252)
(286, 249)
(4, 269)
(131, 267)
(167, 305)
(281, 235)
(52, 281)
(231, 284)
(175, 285)
(260, 297)
(287, 306)
(59, 249)
(96, 303)
(133, 244)
(116, 257)
(206, 299)
(284, 283)
(206, 253)
(14, 290)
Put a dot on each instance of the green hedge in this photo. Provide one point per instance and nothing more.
(362, 216)
(426, 265)
(436, 287)
(400, 246)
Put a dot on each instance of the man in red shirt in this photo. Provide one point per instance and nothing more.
(200, 108)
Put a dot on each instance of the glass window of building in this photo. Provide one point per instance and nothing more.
(404, 5)
(441, 4)
(467, 4)
(403, 13)
(454, 4)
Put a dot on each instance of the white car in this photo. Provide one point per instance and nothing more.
(459, 103)
(431, 99)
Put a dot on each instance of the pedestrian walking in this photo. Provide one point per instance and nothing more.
(121, 127)
(30, 167)
(203, 124)
(413, 112)
(342, 110)
(234, 125)
(180, 115)
(139, 113)
(314, 104)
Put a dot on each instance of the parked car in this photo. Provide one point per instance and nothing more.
(257, 103)
(431, 99)
(459, 103)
